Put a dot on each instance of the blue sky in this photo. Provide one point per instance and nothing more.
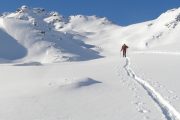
(122, 12)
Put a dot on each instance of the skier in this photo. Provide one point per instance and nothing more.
(124, 48)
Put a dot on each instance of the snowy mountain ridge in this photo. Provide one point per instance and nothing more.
(33, 29)
(36, 35)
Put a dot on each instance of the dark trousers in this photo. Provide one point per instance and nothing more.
(124, 53)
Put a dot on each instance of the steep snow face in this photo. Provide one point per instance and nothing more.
(156, 33)
(99, 32)
(56, 20)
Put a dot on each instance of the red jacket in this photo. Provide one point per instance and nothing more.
(124, 47)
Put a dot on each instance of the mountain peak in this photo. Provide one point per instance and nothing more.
(24, 7)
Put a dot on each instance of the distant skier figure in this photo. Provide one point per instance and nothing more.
(124, 49)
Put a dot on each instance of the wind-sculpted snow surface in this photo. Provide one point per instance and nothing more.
(167, 109)
(80, 83)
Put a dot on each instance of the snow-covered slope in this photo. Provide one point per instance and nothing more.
(41, 42)
(100, 89)
(155, 33)
(144, 86)
(48, 37)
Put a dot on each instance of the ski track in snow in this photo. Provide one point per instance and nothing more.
(167, 109)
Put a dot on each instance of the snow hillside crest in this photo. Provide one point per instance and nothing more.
(34, 29)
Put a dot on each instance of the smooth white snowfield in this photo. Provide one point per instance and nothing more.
(169, 111)
(83, 90)
(57, 68)
(99, 89)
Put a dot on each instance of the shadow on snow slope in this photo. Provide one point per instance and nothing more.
(9, 48)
